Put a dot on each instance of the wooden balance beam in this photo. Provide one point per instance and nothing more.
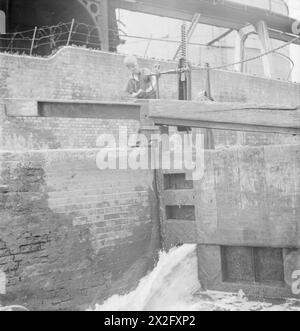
(226, 116)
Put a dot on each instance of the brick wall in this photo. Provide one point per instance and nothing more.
(36, 133)
(70, 234)
(81, 74)
(76, 73)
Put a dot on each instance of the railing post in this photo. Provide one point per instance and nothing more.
(209, 141)
(33, 40)
(71, 31)
(157, 76)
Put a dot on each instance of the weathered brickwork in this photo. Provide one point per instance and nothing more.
(72, 235)
(57, 133)
(80, 74)
(76, 73)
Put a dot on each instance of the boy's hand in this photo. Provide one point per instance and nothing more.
(135, 95)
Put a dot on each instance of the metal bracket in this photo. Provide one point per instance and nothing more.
(96, 9)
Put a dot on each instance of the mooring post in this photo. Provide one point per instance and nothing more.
(71, 31)
(33, 40)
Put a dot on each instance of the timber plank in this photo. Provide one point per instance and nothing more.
(227, 116)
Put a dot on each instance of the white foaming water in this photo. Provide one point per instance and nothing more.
(173, 285)
(170, 286)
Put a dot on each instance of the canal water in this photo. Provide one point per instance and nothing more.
(173, 286)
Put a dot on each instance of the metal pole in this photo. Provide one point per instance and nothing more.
(157, 87)
(8, 14)
(33, 39)
(157, 76)
(70, 33)
(148, 46)
(184, 44)
(184, 79)
(209, 140)
(190, 32)
(182, 85)
(208, 83)
(189, 84)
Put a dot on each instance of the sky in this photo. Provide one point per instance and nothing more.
(163, 28)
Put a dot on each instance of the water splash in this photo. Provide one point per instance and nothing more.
(13, 308)
(174, 286)
(170, 286)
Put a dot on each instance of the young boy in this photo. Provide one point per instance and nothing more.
(141, 85)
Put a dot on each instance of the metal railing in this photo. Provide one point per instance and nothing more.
(43, 41)
(46, 40)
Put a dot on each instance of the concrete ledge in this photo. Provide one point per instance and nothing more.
(172, 171)
(179, 197)
(21, 108)
(73, 109)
